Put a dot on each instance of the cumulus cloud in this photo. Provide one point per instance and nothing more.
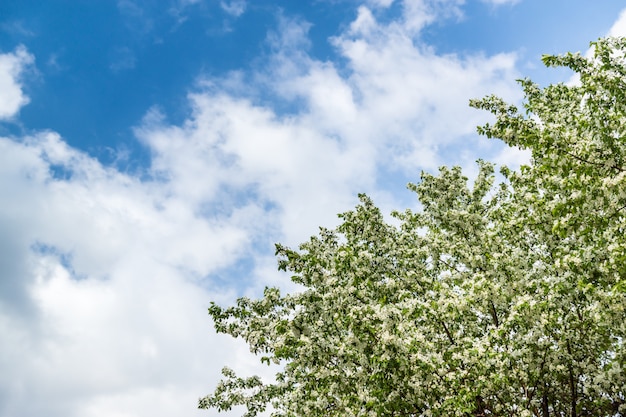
(12, 66)
(108, 274)
(103, 300)
(396, 100)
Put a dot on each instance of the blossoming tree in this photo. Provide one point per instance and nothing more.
(493, 300)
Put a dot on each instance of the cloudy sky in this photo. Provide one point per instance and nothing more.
(153, 151)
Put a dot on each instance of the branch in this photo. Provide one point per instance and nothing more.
(445, 328)
(572, 384)
(598, 164)
(494, 314)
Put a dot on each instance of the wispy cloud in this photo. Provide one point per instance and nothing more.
(139, 17)
(17, 28)
(121, 59)
(501, 2)
(234, 7)
(12, 67)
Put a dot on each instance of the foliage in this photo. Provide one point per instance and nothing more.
(493, 300)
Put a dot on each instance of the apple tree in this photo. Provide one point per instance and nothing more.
(494, 299)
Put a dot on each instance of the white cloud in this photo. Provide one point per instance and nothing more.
(121, 59)
(17, 27)
(101, 306)
(513, 157)
(364, 22)
(380, 3)
(619, 27)
(234, 7)
(417, 14)
(12, 65)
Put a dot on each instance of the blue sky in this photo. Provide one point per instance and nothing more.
(152, 152)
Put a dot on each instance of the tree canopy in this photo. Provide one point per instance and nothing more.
(494, 299)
